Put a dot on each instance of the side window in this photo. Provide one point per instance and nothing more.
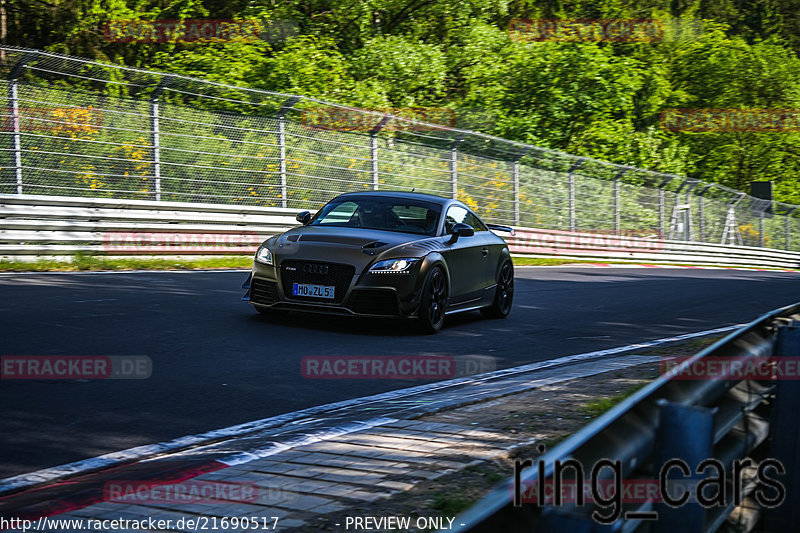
(476, 223)
(457, 214)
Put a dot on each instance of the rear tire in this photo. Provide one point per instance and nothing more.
(434, 301)
(504, 295)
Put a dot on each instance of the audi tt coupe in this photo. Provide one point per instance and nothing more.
(386, 254)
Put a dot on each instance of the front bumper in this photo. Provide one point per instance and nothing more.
(356, 294)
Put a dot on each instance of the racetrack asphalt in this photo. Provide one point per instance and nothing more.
(217, 363)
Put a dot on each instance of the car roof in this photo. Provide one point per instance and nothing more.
(403, 194)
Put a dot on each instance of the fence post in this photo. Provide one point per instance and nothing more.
(13, 96)
(685, 433)
(731, 231)
(617, 178)
(785, 435)
(155, 129)
(689, 230)
(571, 178)
(454, 165)
(281, 116)
(700, 222)
(661, 206)
(786, 226)
(155, 138)
(701, 213)
(373, 149)
(515, 179)
(156, 142)
(761, 240)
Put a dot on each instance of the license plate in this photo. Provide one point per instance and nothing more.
(314, 291)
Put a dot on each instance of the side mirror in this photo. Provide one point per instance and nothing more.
(304, 217)
(461, 230)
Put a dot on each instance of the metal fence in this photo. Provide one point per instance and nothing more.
(73, 127)
(722, 419)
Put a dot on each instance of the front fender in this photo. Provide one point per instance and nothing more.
(428, 262)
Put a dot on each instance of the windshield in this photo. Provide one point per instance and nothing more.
(390, 214)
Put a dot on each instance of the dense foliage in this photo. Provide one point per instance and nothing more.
(601, 99)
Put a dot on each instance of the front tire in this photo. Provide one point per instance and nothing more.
(434, 301)
(504, 295)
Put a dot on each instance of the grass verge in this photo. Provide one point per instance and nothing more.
(556, 261)
(97, 262)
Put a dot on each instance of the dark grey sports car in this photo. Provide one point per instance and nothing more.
(386, 254)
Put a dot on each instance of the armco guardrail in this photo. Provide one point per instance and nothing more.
(33, 226)
(625, 246)
(712, 414)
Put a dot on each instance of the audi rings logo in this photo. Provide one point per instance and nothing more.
(310, 268)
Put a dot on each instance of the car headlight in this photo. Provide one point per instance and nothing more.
(393, 266)
(264, 255)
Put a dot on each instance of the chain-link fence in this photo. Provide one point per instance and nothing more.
(74, 127)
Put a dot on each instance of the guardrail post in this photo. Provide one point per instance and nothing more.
(155, 136)
(373, 150)
(16, 136)
(454, 165)
(685, 433)
(571, 177)
(281, 116)
(786, 226)
(785, 435)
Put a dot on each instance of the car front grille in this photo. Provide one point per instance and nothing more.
(316, 273)
(373, 302)
(263, 291)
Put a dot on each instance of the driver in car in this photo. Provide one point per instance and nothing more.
(374, 215)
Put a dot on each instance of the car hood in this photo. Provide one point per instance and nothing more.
(355, 246)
